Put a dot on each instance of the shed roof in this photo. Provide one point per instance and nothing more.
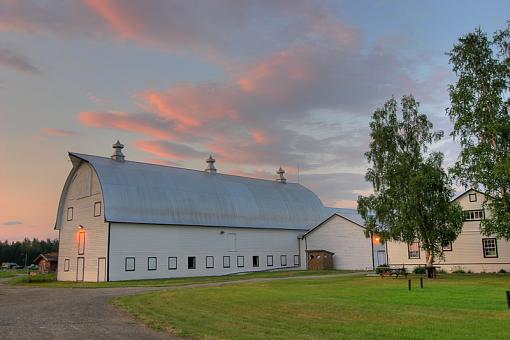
(50, 257)
(135, 192)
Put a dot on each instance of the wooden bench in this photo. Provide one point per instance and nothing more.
(394, 271)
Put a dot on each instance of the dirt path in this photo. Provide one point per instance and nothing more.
(83, 313)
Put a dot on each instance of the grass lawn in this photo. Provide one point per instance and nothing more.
(50, 280)
(452, 306)
(4, 273)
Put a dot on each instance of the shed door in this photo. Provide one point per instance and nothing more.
(80, 268)
(101, 269)
(381, 257)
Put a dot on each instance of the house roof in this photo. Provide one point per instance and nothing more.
(135, 192)
(50, 257)
(467, 191)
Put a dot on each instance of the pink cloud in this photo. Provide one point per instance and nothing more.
(170, 150)
(59, 132)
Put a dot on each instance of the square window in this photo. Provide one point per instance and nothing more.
(172, 263)
(240, 261)
(209, 262)
(296, 260)
(269, 260)
(97, 209)
(283, 260)
(447, 247)
(66, 265)
(472, 197)
(490, 247)
(192, 262)
(152, 263)
(413, 250)
(226, 261)
(70, 213)
(255, 261)
(129, 264)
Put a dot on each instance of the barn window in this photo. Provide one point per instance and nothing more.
(97, 209)
(152, 263)
(129, 264)
(81, 242)
(172, 263)
(296, 260)
(192, 262)
(474, 215)
(413, 250)
(226, 261)
(269, 260)
(240, 261)
(209, 262)
(283, 260)
(490, 247)
(66, 265)
(70, 213)
(472, 197)
(255, 261)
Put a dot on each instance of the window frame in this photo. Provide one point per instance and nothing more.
(409, 251)
(149, 261)
(96, 204)
(255, 264)
(67, 263)
(495, 247)
(194, 262)
(81, 245)
(467, 212)
(282, 257)
(272, 260)
(448, 247)
(206, 264)
(172, 257)
(126, 262)
(473, 195)
(70, 209)
(224, 258)
(240, 257)
(298, 262)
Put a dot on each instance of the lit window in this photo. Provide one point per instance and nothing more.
(81, 242)
(296, 260)
(255, 261)
(283, 260)
(209, 262)
(192, 262)
(97, 209)
(66, 265)
(226, 261)
(474, 215)
(240, 261)
(129, 264)
(70, 213)
(447, 247)
(269, 260)
(472, 197)
(152, 263)
(414, 250)
(172, 263)
(490, 247)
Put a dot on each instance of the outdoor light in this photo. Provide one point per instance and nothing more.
(80, 227)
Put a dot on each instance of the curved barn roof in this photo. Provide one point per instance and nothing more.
(136, 192)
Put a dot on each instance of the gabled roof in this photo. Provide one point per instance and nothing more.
(135, 192)
(50, 257)
(330, 217)
(467, 191)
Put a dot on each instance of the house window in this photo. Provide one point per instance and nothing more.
(152, 263)
(81, 242)
(129, 264)
(269, 260)
(296, 260)
(70, 213)
(97, 209)
(209, 262)
(255, 261)
(490, 247)
(172, 263)
(283, 260)
(240, 261)
(447, 247)
(192, 262)
(66, 265)
(472, 197)
(474, 215)
(226, 261)
(413, 250)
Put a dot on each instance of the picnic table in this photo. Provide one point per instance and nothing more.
(394, 271)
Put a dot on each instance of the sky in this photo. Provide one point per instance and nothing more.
(257, 84)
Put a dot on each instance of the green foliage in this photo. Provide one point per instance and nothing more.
(15, 251)
(382, 268)
(412, 193)
(479, 109)
(419, 270)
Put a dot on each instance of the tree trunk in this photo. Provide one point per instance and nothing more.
(431, 271)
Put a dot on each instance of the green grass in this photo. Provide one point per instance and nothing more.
(450, 307)
(49, 281)
(5, 273)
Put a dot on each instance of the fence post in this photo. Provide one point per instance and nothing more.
(508, 298)
(421, 282)
(409, 284)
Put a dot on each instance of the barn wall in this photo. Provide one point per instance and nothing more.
(83, 191)
(467, 250)
(344, 238)
(142, 241)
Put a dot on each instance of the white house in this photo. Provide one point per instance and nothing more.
(123, 220)
(471, 251)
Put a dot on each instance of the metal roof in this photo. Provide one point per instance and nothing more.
(135, 192)
(349, 213)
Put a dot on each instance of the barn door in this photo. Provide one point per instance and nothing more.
(381, 257)
(101, 269)
(80, 269)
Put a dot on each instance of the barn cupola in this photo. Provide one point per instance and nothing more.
(280, 177)
(117, 152)
(211, 169)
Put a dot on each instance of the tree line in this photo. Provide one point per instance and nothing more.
(17, 251)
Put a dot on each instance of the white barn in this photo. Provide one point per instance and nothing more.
(124, 220)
